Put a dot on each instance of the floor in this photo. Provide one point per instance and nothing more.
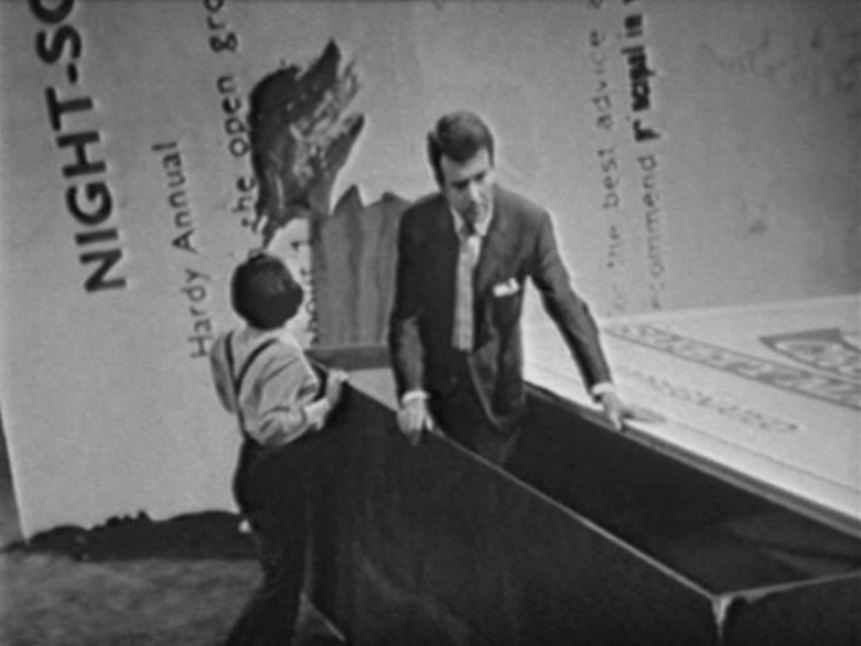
(131, 581)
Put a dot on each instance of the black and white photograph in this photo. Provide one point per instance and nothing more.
(430, 322)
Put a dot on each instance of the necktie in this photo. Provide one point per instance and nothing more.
(463, 311)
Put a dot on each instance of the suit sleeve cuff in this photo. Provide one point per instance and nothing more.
(413, 395)
(600, 389)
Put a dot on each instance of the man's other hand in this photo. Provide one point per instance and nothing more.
(414, 418)
(618, 411)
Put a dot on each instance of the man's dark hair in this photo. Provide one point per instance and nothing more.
(264, 292)
(459, 136)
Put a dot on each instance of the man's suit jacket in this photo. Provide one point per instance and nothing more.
(519, 244)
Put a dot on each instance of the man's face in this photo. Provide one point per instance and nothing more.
(468, 186)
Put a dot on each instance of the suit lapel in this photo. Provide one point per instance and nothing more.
(493, 249)
(444, 245)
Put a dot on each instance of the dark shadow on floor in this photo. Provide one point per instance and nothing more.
(208, 535)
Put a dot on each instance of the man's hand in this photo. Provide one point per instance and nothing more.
(414, 418)
(618, 411)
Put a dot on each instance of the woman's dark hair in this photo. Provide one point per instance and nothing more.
(459, 136)
(264, 292)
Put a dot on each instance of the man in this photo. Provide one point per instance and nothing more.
(464, 255)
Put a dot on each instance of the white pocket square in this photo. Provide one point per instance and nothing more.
(509, 287)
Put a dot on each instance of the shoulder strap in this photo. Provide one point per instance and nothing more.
(250, 360)
(238, 378)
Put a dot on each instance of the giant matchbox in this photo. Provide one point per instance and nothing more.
(593, 537)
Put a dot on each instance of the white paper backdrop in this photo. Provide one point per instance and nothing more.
(693, 154)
